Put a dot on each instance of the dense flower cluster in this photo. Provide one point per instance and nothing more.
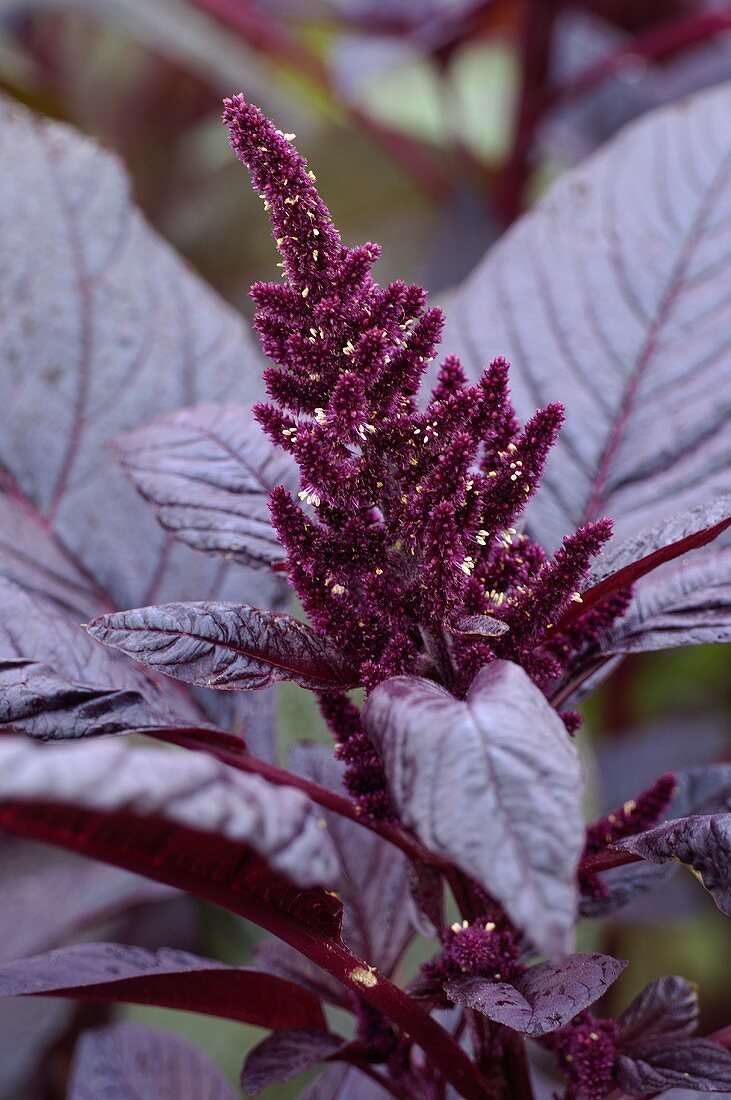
(479, 948)
(632, 817)
(405, 548)
(586, 1051)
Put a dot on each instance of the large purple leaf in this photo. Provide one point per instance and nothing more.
(542, 999)
(189, 789)
(666, 1007)
(70, 687)
(33, 559)
(702, 842)
(227, 646)
(493, 783)
(686, 603)
(102, 328)
(172, 979)
(282, 1056)
(34, 700)
(128, 1060)
(668, 1063)
(610, 296)
(208, 472)
(374, 886)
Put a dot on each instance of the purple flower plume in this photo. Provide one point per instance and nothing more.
(406, 523)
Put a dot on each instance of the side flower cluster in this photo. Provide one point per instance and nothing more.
(405, 546)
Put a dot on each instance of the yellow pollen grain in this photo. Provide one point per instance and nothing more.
(364, 976)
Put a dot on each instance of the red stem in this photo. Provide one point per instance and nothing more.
(230, 750)
(539, 17)
(656, 44)
(516, 1065)
(605, 861)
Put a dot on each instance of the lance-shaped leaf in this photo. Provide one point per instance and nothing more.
(208, 472)
(36, 701)
(667, 1007)
(542, 999)
(179, 818)
(226, 646)
(173, 979)
(702, 842)
(494, 784)
(283, 1056)
(129, 1060)
(610, 296)
(686, 603)
(624, 562)
(669, 1063)
(43, 649)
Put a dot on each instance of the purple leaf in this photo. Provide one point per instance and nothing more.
(128, 1060)
(542, 999)
(189, 790)
(225, 645)
(666, 1007)
(702, 842)
(34, 560)
(172, 979)
(208, 472)
(71, 896)
(44, 651)
(687, 603)
(672, 1062)
(494, 784)
(377, 923)
(117, 330)
(609, 296)
(625, 563)
(283, 1056)
(35, 701)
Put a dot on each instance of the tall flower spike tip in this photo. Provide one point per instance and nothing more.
(410, 503)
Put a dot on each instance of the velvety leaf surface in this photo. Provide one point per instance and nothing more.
(225, 645)
(44, 652)
(117, 329)
(494, 783)
(686, 603)
(610, 296)
(675, 529)
(377, 923)
(283, 1056)
(208, 472)
(173, 979)
(34, 560)
(542, 999)
(103, 328)
(189, 789)
(128, 1061)
(35, 701)
(703, 842)
(691, 1063)
(666, 1007)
